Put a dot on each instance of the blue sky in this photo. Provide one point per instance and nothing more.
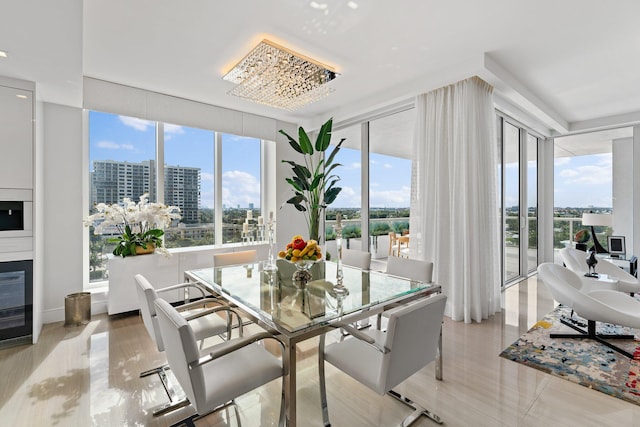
(584, 181)
(580, 181)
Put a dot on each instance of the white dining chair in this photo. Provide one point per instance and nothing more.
(412, 269)
(382, 360)
(203, 327)
(212, 378)
(235, 258)
(355, 258)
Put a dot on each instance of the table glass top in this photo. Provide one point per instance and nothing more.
(274, 299)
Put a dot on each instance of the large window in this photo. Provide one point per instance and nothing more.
(390, 144)
(124, 163)
(240, 186)
(592, 173)
(518, 180)
(189, 183)
(376, 182)
(511, 200)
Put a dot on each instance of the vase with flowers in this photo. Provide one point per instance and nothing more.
(137, 226)
(312, 183)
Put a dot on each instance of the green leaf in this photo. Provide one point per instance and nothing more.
(295, 200)
(302, 171)
(302, 183)
(305, 142)
(294, 144)
(332, 167)
(294, 184)
(316, 182)
(300, 208)
(334, 152)
(331, 194)
(324, 136)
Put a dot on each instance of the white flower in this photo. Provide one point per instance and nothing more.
(141, 216)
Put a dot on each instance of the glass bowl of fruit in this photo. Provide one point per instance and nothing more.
(303, 254)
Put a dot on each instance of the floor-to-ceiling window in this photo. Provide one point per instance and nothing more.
(349, 201)
(376, 182)
(518, 181)
(391, 141)
(532, 202)
(511, 200)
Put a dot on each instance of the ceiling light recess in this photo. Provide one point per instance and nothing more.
(276, 76)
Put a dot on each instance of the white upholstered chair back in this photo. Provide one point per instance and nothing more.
(235, 258)
(412, 269)
(181, 349)
(218, 374)
(355, 258)
(146, 298)
(412, 336)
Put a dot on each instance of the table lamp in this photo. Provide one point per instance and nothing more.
(594, 219)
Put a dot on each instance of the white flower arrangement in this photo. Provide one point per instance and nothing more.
(138, 224)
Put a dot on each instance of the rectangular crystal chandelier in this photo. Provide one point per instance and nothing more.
(276, 76)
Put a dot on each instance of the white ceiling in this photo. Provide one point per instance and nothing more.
(572, 64)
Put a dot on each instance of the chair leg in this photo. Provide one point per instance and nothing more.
(282, 405)
(173, 404)
(323, 386)
(418, 410)
(154, 371)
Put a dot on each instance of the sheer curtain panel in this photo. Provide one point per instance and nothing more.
(454, 209)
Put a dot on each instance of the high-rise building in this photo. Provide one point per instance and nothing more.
(112, 181)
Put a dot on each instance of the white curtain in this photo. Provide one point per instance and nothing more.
(454, 209)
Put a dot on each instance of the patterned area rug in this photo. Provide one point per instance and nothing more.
(582, 361)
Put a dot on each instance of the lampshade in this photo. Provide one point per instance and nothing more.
(276, 76)
(597, 219)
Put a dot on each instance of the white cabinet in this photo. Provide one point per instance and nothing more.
(16, 137)
(161, 271)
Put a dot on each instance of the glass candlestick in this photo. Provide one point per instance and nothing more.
(271, 262)
(339, 288)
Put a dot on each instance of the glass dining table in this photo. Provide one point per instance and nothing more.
(294, 313)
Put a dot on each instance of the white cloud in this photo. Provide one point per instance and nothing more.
(388, 166)
(348, 198)
(568, 173)
(592, 174)
(205, 176)
(560, 161)
(110, 145)
(173, 129)
(240, 188)
(391, 198)
(351, 166)
(137, 124)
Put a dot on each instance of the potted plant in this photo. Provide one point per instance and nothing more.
(312, 182)
(139, 226)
